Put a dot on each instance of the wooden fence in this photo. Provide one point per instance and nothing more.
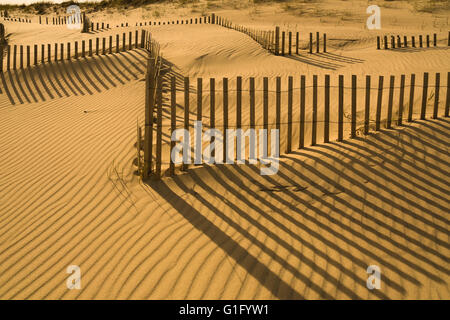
(23, 56)
(161, 95)
(392, 42)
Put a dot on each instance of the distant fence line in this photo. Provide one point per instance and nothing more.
(276, 41)
(155, 95)
(23, 56)
(392, 42)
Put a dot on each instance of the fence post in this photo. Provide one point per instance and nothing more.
(97, 45)
(324, 42)
(158, 129)
(138, 147)
(399, 41)
(435, 39)
(367, 109)
(378, 43)
(198, 138)
(142, 38)
(428, 40)
(310, 42)
(411, 97)
(14, 56)
(277, 40)
(117, 43)
(28, 56)
(42, 53)
(278, 104)
(436, 96)
(56, 52)
(238, 112)
(296, 43)
(385, 43)
(341, 108)
(317, 42)
(420, 41)
(379, 103)
(326, 136)
(212, 112)
(186, 123)
(289, 122)
(301, 137)
(401, 99)
(61, 45)
(83, 44)
(252, 103)
(314, 112)
(21, 56)
(265, 111)
(405, 41)
(124, 45)
(110, 44)
(424, 96)
(290, 43)
(393, 42)
(225, 119)
(90, 47)
(390, 102)
(173, 119)
(148, 129)
(353, 115)
(447, 103)
(35, 54)
(413, 41)
(136, 36)
(76, 49)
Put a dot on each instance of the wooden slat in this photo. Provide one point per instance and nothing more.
(314, 112)
(186, 120)
(212, 106)
(353, 112)
(159, 129)
(436, 96)
(411, 97)
(341, 109)
(289, 121)
(367, 109)
(301, 142)
(447, 102)
(225, 118)
(390, 102)
(252, 103)
(401, 99)
(379, 103)
(424, 96)
(326, 125)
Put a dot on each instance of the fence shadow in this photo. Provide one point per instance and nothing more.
(82, 76)
(338, 206)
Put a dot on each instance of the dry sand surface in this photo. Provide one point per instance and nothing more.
(69, 193)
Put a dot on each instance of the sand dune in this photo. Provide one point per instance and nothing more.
(70, 195)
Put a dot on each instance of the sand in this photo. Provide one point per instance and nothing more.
(69, 194)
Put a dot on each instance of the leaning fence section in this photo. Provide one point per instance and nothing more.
(346, 110)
